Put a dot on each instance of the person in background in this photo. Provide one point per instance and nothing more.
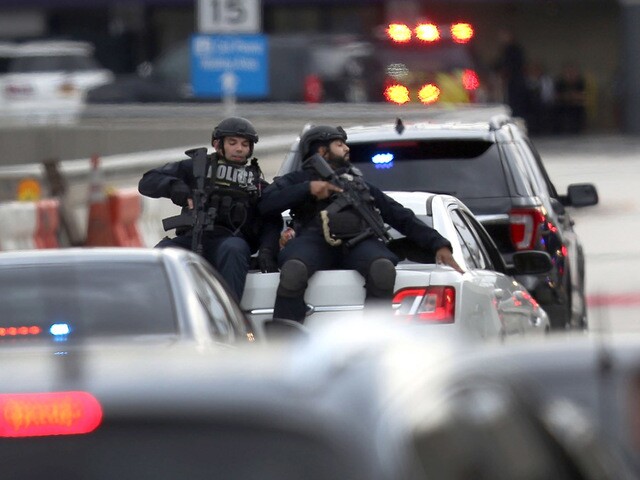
(238, 230)
(541, 88)
(571, 100)
(511, 69)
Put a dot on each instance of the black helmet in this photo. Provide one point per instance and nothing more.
(323, 134)
(235, 127)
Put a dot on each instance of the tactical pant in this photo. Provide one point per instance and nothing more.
(311, 250)
(229, 255)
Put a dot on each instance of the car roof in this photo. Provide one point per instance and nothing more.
(97, 254)
(457, 129)
(54, 47)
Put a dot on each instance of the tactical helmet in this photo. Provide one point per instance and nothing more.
(324, 134)
(235, 127)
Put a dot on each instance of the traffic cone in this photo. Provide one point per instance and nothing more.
(99, 233)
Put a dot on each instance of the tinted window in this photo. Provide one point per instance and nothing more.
(466, 169)
(53, 63)
(92, 300)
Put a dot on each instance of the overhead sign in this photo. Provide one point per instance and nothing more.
(229, 16)
(230, 66)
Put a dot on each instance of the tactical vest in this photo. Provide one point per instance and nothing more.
(237, 189)
(335, 216)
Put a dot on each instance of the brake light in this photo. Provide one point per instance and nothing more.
(18, 90)
(397, 94)
(427, 32)
(43, 414)
(470, 80)
(429, 93)
(461, 32)
(434, 304)
(524, 225)
(399, 33)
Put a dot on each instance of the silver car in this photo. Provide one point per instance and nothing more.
(159, 296)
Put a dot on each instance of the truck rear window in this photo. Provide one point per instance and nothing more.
(467, 169)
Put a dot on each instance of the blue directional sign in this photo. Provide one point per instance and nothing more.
(229, 65)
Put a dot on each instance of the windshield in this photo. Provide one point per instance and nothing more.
(468, 169)
(76, 301)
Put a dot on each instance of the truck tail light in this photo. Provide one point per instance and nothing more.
(396, 93)
(524, 226)
(433, 304)
(429, 93)
(470, 80)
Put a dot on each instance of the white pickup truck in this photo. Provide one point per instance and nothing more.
(485, 302)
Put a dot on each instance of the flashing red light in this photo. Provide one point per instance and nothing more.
(461, 32)
(434, 304)
(44, 414)
(399, 32)
(397, 94)
(429, 93)
(20, 331)
(470, 80)
(427, 32)
(525, 223)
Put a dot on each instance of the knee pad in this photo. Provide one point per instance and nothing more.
(381, 278)
(293, 279)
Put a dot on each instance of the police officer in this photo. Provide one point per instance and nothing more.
(307, 196)
(238, 229)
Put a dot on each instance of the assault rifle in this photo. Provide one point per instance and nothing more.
(205, 207)
(351, 196)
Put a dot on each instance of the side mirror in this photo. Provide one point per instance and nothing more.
(279, 329)
(581, 195)
(531, 262)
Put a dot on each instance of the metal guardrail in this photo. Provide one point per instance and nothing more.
(115, 168)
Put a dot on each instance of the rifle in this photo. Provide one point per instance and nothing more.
(350, 196)
(204, 212)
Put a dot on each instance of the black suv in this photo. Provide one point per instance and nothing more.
(494, 168)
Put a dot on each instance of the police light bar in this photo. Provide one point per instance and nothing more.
(20, 331)
(427, 32)
(51, 413)
(461, 32)
(399, 33)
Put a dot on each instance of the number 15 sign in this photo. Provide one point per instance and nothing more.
(229, 16)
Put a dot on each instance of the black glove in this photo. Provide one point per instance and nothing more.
(267, 261)
(180, 193)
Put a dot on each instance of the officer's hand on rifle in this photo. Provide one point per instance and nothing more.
(445, 257)
(321, 189)
(267, 261)
(181, 194)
